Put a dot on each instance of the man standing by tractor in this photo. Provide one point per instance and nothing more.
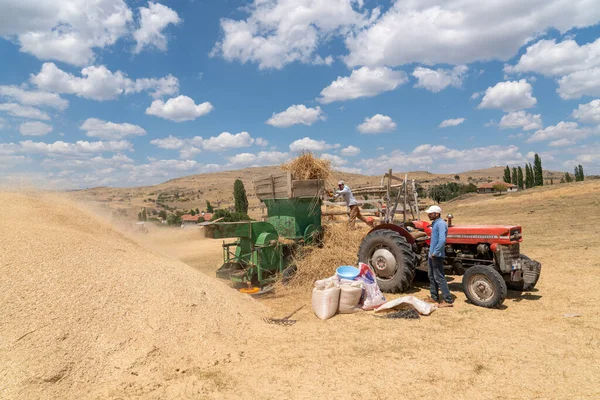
(437, 253)
(345, 192)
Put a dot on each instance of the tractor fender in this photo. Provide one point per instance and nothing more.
(396, 228)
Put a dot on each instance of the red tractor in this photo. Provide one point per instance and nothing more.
(488, 257)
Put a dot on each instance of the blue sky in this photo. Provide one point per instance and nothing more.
(109, 92)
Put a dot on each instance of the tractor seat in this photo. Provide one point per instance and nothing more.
(419, 235)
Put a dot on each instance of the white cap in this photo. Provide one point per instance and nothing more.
(433, 209)
(341, 183)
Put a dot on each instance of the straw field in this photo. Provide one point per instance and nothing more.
(108, 315)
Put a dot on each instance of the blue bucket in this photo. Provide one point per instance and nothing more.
(347, 272)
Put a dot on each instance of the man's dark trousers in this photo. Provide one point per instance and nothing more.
(437, 280)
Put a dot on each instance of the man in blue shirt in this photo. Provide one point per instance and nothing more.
(437, 253)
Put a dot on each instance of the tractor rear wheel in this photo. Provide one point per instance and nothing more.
(484, 286)
(391, 257)
(530, 267)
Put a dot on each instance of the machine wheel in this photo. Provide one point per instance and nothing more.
(529, 267)
(484, 286)
(391, 257)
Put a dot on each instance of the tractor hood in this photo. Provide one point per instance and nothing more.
(477, 233)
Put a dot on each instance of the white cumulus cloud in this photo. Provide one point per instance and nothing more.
(309, 144)
(580, 83)
(153, 20)
(98, 128)
(336, 161)
(33, 97)
(561, 143)
(437, 80)
(588, 113)
(521, 120)
(296, 114)
(562, 130)
(80, 147)
(179, 109)
(378, 123)
(279, 32)
(260, 159)
(17, 110)
(461, 31)
(99, 83)
(451, 122)
(65, 30)
(509, 96)
(170, 143)
(35, 129)
(549, 58)
(363, 82)
(226, 141)
(350, 151)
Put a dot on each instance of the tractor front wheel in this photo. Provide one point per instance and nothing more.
(391, 257)
(484, 286)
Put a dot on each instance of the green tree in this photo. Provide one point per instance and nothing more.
(500, 187)
(174, 219)
(449, 191)
(537, 170)
(228, 216)
(520, 178)
(192, 212)
(239, 195)
(197, 211)
(162, 214)
(568, 177)
(531, 176)
(579, 176)
(515, 178)
(507, 177)
(209, 209)
(457, 177)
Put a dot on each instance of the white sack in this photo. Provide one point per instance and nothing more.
(349, 298)
(421, 306)
(325, 302)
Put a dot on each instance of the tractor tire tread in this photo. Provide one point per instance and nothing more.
(494, 276)
(400, 282)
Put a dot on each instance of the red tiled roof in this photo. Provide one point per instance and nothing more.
(207, 216)
(491, 185)
(190, 218)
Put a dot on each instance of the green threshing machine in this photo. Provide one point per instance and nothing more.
(262, 248)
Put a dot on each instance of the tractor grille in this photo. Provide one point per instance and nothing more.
(531, 273)
(515, 234)
(507, 256)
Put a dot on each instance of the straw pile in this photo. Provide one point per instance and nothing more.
(88, 313)
(307, 166)
(340, 248)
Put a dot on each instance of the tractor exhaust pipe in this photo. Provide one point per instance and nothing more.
(449, 216)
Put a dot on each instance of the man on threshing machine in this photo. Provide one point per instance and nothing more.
(345, 192)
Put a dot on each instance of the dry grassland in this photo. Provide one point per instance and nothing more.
(101, 304)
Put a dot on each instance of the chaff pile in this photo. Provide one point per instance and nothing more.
(307, 166)
(340, 248)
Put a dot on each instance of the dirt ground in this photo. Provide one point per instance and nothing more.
(530, 348)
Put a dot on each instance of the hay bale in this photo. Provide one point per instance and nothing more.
(307, 166)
